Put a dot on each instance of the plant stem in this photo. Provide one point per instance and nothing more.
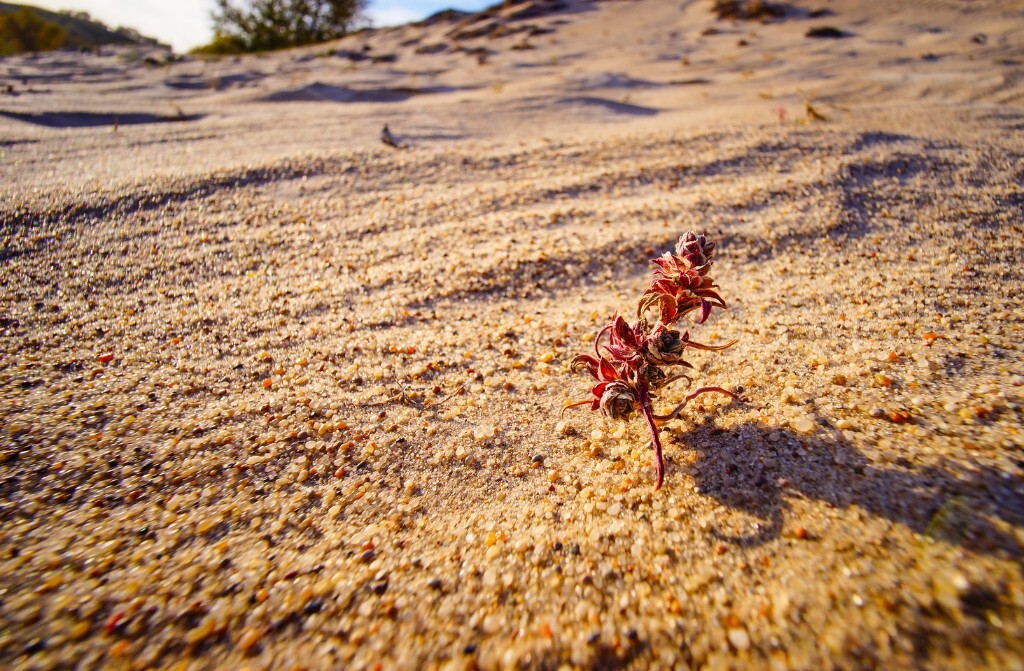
(703, 390)
(659, 461)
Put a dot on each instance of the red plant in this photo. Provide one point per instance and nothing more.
(681, 283)
(630, 366)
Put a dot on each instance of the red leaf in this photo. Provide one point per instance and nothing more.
(620, 328)
(663, 263)
(708, 293)
(705, 311)
(581, 361)
(663, 287)
(668, 308)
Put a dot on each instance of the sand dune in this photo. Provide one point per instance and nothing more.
(276, 395)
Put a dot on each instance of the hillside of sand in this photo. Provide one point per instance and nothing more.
(276, 395)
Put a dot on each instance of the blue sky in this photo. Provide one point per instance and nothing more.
(186, 23)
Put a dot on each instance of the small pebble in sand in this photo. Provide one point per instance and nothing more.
(947, 588)
(804, 425)
(739, 638)
(898, 416)
(248, 640)
(79, 631)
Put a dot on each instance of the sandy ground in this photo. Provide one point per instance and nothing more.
(274, 395)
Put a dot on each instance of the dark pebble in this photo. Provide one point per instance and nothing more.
(434, 583)
(632, 635)
(557, 546)
(826, 32)
(469, 649)
(594, 638)
(313, 607)
(379, 588)
(367, 557)
(34, 646)
(538, 459)
(575, 549)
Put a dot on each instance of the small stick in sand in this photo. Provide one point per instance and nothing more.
(813, 114)
(387, 138)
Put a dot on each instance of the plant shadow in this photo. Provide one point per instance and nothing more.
(759, 470)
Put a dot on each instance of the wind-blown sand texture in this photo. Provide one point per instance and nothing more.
(274, 395)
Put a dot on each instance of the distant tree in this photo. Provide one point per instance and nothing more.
(81, 16)
(23, 31)
(260, 25)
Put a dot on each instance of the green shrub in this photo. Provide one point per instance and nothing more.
(23, 31)
(263, 25)
(222, 45)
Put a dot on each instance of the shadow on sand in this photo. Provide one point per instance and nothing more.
(613, 106)
(956, 505)
(319, 92)
(95, 119)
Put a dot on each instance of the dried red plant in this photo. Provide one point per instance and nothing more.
(632, 362)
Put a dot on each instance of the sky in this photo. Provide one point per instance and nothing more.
(186, 23)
